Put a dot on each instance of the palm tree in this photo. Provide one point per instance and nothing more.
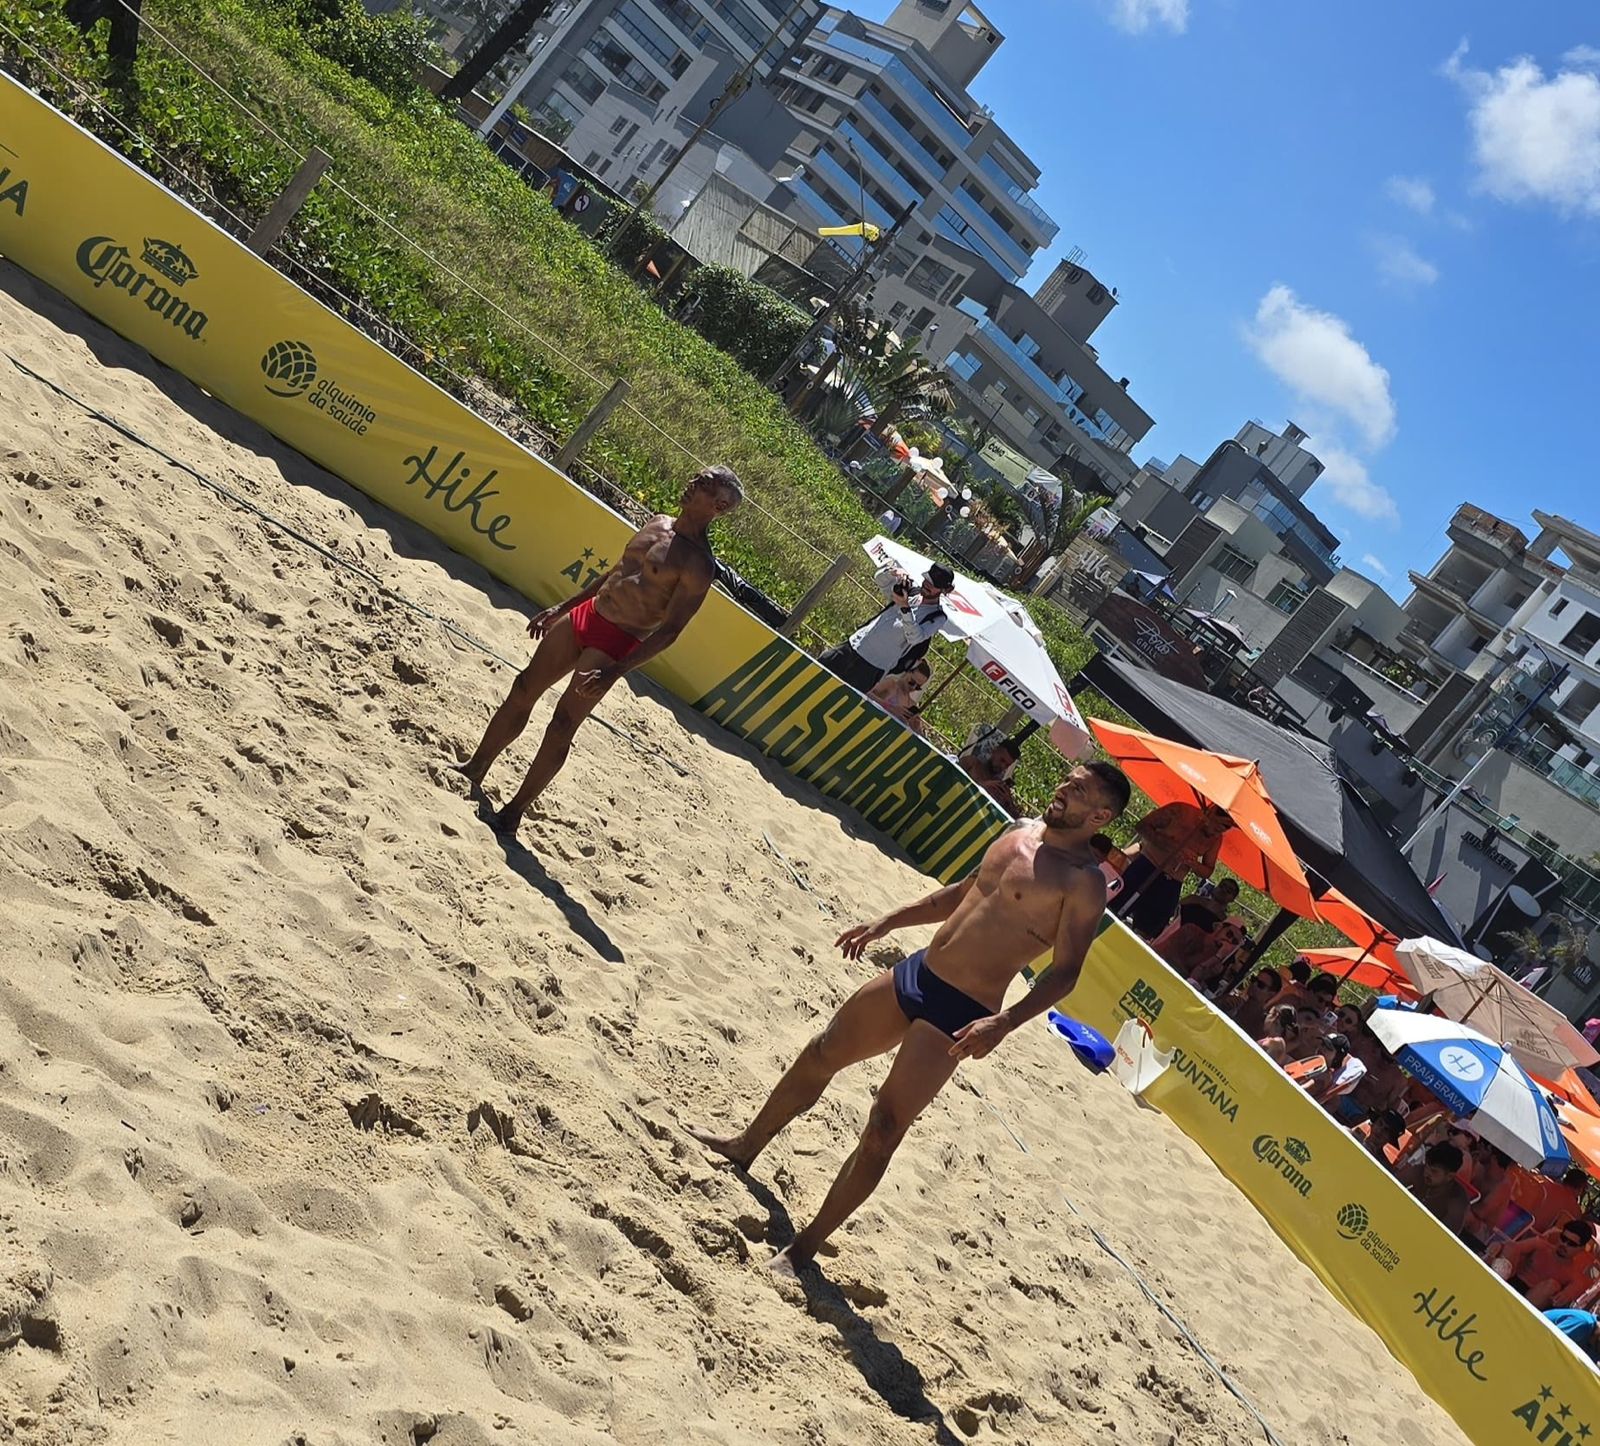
(897, 379)
(1071, 513)
(1526, 948)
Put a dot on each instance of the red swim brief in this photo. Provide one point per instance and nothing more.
(594, 631)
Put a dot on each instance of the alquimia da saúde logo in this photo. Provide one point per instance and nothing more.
(291, 370)
(163, 269)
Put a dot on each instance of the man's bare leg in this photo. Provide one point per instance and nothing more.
(920, 1071)
(869, 1022)
(555, 745)
(556, 656)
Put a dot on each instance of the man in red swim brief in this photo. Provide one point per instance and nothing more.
(622, 619)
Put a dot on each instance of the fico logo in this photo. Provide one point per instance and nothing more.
(105, 262)
(1008, 685)
(291, 371)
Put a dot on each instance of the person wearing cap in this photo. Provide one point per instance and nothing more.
(910, 621)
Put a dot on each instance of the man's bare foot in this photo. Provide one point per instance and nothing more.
(730, 1147)
(474, 780)
(786, 1265)
(505, 822)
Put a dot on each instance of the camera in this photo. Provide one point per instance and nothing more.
(902, 585)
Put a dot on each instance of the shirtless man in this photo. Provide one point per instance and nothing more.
(621, 620)
(1037, 888)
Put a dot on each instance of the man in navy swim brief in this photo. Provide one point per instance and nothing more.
(1038, 888)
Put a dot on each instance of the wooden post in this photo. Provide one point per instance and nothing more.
(944, 683)
(573, 447)
(899, 485)
(815, 593)
(283, 211)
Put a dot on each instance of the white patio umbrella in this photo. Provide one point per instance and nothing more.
(1003, 645)
(1478, 1080)
(1473, 991)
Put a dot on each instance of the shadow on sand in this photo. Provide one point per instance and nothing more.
(526, 864)
(405, 538)
(893, 1379)
(881, 1364)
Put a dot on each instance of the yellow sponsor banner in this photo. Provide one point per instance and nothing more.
(1475, 1345)
(149, 266)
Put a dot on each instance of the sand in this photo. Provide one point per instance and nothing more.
(326, 1119)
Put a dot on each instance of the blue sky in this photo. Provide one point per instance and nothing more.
(1381, 220)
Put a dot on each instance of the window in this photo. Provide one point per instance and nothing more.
(1031, 416)
(1558, 607)
(585, 83)
(1477, 644)
(1286, 597)
(930, 277)
(619, 125)
(1233, 564)
(592, 160)
(630, 131)
(964, 366)
(1583, 635)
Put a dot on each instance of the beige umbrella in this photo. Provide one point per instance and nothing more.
(1472, 991)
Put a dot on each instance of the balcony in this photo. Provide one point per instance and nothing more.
(1018, 258)
(1058, 396)
(1566, 776)
(1019, 197)
(848, 188)
(1447, 591)
(909, 145)
(880, 167)
(928, 105)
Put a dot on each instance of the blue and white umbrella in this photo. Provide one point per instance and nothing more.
(1479, 1081)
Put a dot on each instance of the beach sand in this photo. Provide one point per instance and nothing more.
(325, 1119)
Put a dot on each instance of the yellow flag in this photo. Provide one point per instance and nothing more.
(861, 228)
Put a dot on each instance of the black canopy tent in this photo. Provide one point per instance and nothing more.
(1334, 832)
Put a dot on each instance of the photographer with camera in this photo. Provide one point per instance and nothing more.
(908, 623)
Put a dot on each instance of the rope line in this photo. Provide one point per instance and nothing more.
(1145, 1287)
(305, 539)
(450, 271)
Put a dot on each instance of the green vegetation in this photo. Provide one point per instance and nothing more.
(517, 301)
(751, 322)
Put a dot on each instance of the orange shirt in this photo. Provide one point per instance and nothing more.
(1536, 1261)
(1549, 1201)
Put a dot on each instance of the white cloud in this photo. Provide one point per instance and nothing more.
(1313, 353)
(1536, 137)
(1399, 263)
(1413, 192)
(1379, 571)
(1346, 478)
(1138, 16)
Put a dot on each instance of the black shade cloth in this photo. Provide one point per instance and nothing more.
(1331, 828)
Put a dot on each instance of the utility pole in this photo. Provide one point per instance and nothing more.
(734, 89)
(846, 289)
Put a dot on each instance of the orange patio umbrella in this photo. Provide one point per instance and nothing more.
(1582, 1131)
(1255, 848)
(1371, 939)
(1360, 967)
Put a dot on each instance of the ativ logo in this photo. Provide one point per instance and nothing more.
(13, 185)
